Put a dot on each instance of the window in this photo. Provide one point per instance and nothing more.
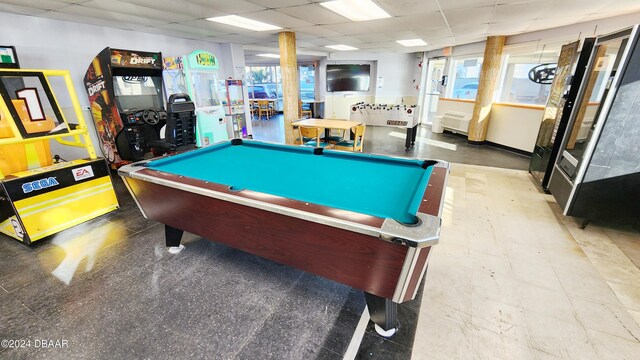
(307, 82)
(515, 85)
(466, 75)
(265, 83)
(518, 88)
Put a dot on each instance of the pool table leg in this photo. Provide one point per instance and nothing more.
(414, 134)
(410, 139)
(173, 237)
(384, 314)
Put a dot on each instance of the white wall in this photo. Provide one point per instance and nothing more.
(53, 44)
(462, 106)
(397, 70)
(514, 127)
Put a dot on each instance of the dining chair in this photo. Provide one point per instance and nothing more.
(311, 136)
(353, 145)
(301, 111)
(263, 109)
(272, 107)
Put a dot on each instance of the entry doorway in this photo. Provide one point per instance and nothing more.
(433, 90)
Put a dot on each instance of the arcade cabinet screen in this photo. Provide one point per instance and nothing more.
(138, 92)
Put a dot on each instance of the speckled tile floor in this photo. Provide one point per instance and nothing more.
(514, 279)
(511, 279)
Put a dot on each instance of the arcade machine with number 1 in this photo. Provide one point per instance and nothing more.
(197, 75)
(40, 197)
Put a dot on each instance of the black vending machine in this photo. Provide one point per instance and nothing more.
(597, 173)
(572, 65)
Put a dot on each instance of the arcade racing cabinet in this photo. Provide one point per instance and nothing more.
(126, 98)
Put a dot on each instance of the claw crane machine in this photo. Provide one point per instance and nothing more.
(196, 74)
(41, 194)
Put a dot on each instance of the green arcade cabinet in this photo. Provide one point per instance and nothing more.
(196, 74)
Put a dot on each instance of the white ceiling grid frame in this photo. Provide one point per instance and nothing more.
(438, 22)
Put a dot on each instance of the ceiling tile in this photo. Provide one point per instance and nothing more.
(172, 33)
(459, 17)
(626, 6)
(467, 30)
(126, 8)
(466, 4)
(528, 10)
(314, 14)
(380, 45)
(180, 7)
(512, 27)
(230, 6)
(244, 39)
(408, 7)
(190, 29)
(383, 25)
(347, 40)
(84, 11)
(318, 42)
(38, 4)
(276, 18)
(433, 34)
(542, 24)
(351, 28)
(403, 35)
(416, 21)
(575, 8)
(275, 4)
(22, 10)
(372, 37)
(316, 31)
(91, 20)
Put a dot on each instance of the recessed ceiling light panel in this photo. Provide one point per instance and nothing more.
(242, 22)
(275, 56)
(341, 47)
(412, 42)
(356, 10)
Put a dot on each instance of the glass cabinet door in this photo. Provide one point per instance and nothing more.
(596, 85)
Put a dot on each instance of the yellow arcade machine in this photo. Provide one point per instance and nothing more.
(38, 197)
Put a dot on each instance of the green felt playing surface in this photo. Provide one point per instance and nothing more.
(370, 184)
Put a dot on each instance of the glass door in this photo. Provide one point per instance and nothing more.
(596, 86)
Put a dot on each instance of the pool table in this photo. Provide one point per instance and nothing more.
(367, 221)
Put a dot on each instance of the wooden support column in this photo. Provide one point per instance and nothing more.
(290, 82)
(486, 84)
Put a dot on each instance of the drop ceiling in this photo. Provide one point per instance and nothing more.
(439, 22)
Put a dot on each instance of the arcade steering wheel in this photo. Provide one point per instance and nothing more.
(150, 117)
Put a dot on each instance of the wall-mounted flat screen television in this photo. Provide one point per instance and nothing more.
(348, 77)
